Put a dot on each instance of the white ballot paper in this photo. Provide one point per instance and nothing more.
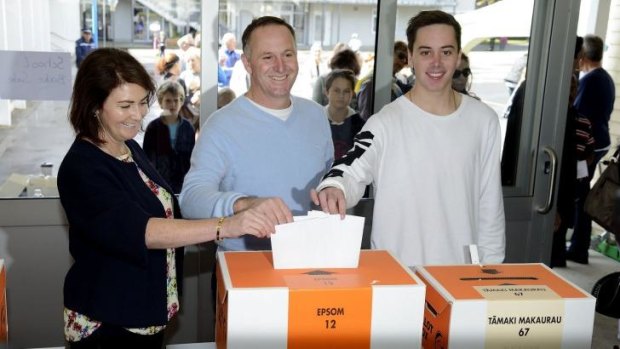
(318, 240)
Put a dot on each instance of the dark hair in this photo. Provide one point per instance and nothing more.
(346, 59)
(593, 48)
(426, 18)
(261, 22)
(102, 71)
(465, 58)
(466, 72)
(339, 73)
(578, 46)
(400, 48)
(166, 63)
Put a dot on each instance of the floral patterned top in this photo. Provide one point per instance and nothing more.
(79, 326)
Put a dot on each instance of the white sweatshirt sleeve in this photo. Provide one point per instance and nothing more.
(357, 169)
(492, 237)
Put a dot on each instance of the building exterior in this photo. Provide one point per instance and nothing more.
(327, 22)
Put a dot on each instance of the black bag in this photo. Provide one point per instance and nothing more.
(600, 201)
(607, 293)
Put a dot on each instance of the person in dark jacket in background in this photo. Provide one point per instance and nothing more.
(83, 46)
(169, 139)
(577, 153)
(124, 231)
(595, 99)
(578, 148)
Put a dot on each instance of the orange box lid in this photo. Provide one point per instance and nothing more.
(460, 280)
(255, 270)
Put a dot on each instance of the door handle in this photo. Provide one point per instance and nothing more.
(549, 168)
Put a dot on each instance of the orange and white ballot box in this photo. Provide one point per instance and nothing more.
(504, 306)
(379, 304)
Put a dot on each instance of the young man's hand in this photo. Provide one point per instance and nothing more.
(331, 200)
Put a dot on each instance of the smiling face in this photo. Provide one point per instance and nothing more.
(122, 113)
(271, 61)
(434, 57)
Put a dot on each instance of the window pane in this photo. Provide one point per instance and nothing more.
(319, 27)
(34, 132)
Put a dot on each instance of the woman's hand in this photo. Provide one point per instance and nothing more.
(251, 221)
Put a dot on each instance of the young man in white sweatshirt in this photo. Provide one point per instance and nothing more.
(434, 158)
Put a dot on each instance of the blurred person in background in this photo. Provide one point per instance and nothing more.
(83, 46)
(169, 139)
(169, 68)
(191, 76)
(343, 59)
(225, 96)
(228, 55)
(345, 122)
(315, 65)
(365, 96)
(596, 94)
(184, 43)
(462, 78)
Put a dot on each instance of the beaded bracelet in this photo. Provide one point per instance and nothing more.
(218, 228)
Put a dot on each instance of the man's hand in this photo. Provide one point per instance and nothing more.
(331, 200)
(274, 209)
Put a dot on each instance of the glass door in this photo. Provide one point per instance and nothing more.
(507, 41)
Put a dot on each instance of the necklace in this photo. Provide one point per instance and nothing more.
(126, 157)
(123, 153)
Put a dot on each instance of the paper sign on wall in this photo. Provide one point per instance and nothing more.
(35, 75)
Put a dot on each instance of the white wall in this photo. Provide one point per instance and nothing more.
(24, 26)
(39, 25)
(64, 24)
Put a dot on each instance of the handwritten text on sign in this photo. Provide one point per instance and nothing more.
(35, 75)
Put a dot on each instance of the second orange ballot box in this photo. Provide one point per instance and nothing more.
(377, 305)
(504, 306)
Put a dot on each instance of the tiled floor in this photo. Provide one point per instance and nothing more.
(605, 334)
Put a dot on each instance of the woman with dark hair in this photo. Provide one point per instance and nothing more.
(169, 67)
(124, 233)
(462, 78)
